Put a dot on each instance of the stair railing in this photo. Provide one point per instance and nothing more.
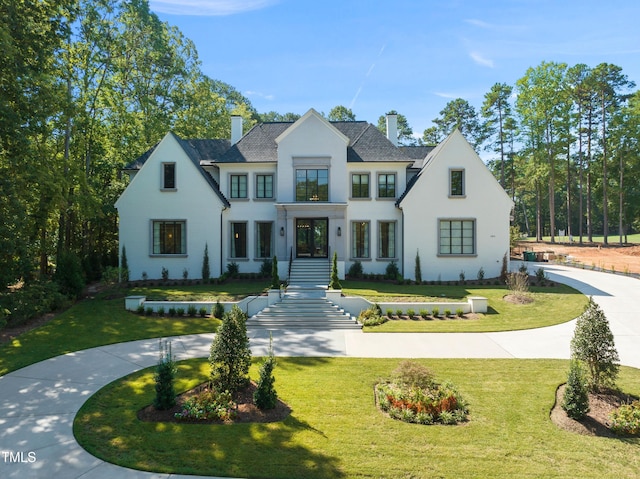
(290, 263)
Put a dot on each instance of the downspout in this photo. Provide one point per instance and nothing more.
(221, 239)
(403, 242)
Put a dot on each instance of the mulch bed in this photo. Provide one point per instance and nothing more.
(246, 411)
(596, 422)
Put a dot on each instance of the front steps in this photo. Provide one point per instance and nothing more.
(310, 273)
(303, 310)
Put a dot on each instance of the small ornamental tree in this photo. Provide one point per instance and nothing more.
(124, 266)
(418, 272)
(575, 400)
(230, 356)
(164, 376)
(593, 344)
(504, 272)
(265, 396)
(335, 281)
(275, 279)
(206, 271)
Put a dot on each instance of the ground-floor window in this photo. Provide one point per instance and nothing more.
(387, 239)
(238, 240)
(360, 239)
(264, 240)
(169, 237)
(457, 237)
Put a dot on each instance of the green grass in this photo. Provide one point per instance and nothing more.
(335, 430)
(551, 305)
(229, 291)
(92, 323)
(613, 239)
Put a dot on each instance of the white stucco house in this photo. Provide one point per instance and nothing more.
(307, 189)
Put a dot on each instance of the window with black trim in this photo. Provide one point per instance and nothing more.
(360, 185)
(238, 240)
(264, 186)
(169, 237)
(312, 184)
(264, 239)
(387, 239)
(168, 176)
(360, 239)
(456, 182)
(457, 237)
(387, 185)
(238, 186)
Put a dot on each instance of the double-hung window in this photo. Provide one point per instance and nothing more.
(169, 237)
(264, 186)
(238, 186)
(360, 185)
(387, 185)
(457, 237)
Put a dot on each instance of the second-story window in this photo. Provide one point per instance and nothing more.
(238, 186)
(312, 185)
(387, 185)
(360, 185)
(264, 186)
(169, 176)
(456, 182)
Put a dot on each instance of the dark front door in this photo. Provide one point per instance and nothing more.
(312, 237)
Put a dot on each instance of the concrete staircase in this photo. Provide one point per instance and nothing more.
(310, 273)
(303, 310)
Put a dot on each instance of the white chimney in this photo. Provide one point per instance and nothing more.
(392, 128)
(236, 129)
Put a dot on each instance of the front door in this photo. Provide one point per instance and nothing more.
(312, 237)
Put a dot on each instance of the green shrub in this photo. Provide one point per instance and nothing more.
(626, 419)
(412, 374)
(192, 311)
(418, 269)
(233, 269)
(399, 313)
(435, 312)
(392, 271)
(462, 277)
(180, 312)
(206, 270)
(230, 356)
(372, 316)
(265, 268)
(447, 313)
(202, 312)
(30, 301)
(275, 279)
(355, 270)
(140, 309)
(424, 313)
(218, 310)
(68, 274)
(265, 395)
(389, 313)
(593, 344)
(148, 311)
(165, 373)
(165, 274)
(575, 400)
(335, 281)
(540, 275)
(480, 274)
(172, 311)
(411, 313)
(185, 273)
(459, 312)
(124, 266)
(160, 311)
(209, 404)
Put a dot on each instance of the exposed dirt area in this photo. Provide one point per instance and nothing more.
(623, 259)
(246, 412)
(596, 422)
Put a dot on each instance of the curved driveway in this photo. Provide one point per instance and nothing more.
(39, 402)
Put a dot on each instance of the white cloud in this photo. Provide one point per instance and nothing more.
(258, 94)
(443, 94)
(208, 7)
(480, 60)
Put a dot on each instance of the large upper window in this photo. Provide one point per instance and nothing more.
(360, 239)
(387, 239)
(238, 186)
(264, 240)
(360, 185)
(312, 185)
(264, 186)
(457, 237)
(169, 176)
(169, 237)
(238, 240)
(387, 185)
(456, 182)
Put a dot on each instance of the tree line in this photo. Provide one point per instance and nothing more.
(88, 85)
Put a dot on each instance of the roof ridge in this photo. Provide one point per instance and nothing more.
(357, 138)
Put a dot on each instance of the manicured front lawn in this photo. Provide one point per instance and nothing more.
(229, 291)
(91, 323)
(551, 305)
(335, 430)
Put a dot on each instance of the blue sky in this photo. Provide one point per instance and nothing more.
(407, 55)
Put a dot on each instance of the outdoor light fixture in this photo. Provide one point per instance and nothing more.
(282, 231)
(339, 231)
